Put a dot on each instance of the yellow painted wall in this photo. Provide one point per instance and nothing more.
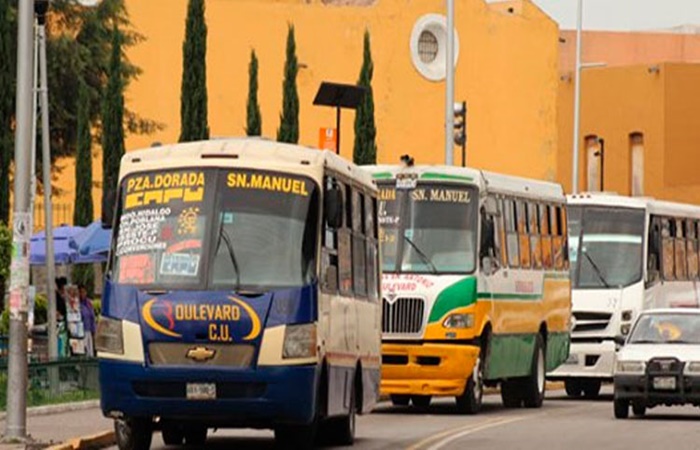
(507, 71)
(663, 105)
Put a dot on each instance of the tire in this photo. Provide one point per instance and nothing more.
(341, 430)
(622, 408)
(400, 400)
(172, 435)
(591, 388)
(470, 400)
(195, 435)
(421, 401)
(511, 394)
(573, 388)
(534, 384)
(133, 433)
(639, 409)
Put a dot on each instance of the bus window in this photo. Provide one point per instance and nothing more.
(345, 247)
(371, 245)
(692, 249)
(534, 229)
(359, 270)
(524, 239)
(501, 234)
(511, 233)
(558, 240)
(547, 260)
(329, 261)
(667, 249)
(679, 250)
(654, 250)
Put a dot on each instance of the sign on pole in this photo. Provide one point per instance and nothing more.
(327, 139)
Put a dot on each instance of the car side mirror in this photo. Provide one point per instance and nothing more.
(108, 204)
(333, 207)
(620, 340)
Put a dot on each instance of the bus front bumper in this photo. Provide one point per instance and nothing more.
(587, 360)
(427, 369)
(257, 398)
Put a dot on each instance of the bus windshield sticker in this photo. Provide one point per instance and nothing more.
(406, 180)
(187, 222)
(137, 269)
(274, 183)
(164, 188)
(441, 195)
(179, 264)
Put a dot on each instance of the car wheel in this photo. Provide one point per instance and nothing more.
(573, 388)
(591, 388)
(622, 408)
(400, 400)
(639, 409)
(133, 433)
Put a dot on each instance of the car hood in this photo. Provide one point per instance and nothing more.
(644, 352)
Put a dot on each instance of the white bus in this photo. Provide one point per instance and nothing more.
(627, 255)
(242, 291)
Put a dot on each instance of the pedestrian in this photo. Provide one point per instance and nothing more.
(61, 324)
(87, 313)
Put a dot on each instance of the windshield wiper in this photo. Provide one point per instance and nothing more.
(223, 236)
(595, 267)
(422, 255)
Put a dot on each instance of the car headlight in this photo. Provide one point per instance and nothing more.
(630, 367)
(109, 337)
(692, 367)
(459, 321)
(625, 329)
(626, 316)
(299, 341)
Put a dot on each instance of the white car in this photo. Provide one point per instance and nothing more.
(659, 363)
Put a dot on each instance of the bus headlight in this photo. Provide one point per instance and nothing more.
(692, 367)
(625, 329)
(299, 341)
(459, 321)
(109, 337)
(630, 367)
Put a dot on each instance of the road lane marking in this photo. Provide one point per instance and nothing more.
(446, 434)
(440, 444)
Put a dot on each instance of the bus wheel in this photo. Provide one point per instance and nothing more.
(421, 401)
(533, 392)
(400, 400)
(622, 408)
(591, 388)
(470, 400)
(341, 431)
(195, 435)
(510, 393)
(172, 435)
(133, 433)
(639, 409)
(573, 388)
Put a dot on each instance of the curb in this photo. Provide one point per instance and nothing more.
(58, 409)
(94, 441)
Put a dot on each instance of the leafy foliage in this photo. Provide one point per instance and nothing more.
(254, 118)
(289, 126)
(194, 124)
(365, 150)
(8, 27)
(5, 257)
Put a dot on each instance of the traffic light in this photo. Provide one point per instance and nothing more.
(460, 134)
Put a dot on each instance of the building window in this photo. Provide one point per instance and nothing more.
(592, 164)
(636, 164)
(427, 46)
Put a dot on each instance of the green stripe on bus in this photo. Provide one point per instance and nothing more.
(442, 176)
(383, 175)
(457, 295)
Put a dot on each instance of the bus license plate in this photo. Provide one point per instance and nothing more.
(665, 383)
(201, 391)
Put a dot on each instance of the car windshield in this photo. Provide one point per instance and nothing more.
(605, 246)
(220, 228)
(668, 328)
(428, 229)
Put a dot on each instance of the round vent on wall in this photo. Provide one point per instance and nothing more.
(429, 46)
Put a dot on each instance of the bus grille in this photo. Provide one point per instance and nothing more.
(591, 321)
(403, 316)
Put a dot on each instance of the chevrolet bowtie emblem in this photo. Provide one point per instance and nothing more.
(200, 354)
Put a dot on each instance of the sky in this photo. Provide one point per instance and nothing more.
(624, 14)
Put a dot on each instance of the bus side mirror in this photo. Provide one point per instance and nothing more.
(108, 203)
(333, 207)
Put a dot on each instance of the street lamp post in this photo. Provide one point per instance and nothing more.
(577, 99)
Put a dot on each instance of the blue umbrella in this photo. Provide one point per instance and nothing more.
(92, 244)
(63, 253)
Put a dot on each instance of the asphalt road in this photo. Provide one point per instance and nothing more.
(560, 424)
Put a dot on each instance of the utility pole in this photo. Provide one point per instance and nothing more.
(577, 99)
(16, 422)
(450, 84)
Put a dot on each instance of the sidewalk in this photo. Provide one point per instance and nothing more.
(60, 426)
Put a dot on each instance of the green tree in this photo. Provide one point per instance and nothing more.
(289, 119)
(194, 125)
(5, 257)
(83, 213)
(254, 119)
(7, 102)
(365, 150)
(113, 121)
